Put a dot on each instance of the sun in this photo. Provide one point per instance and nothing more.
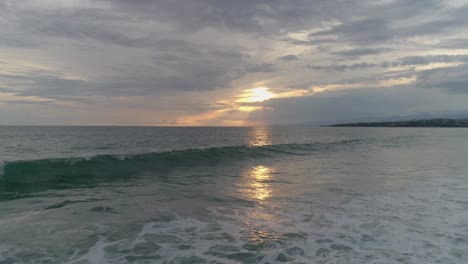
(258, 94)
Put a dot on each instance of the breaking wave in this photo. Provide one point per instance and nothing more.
(101, 167)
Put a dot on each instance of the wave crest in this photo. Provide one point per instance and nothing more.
(101, 167)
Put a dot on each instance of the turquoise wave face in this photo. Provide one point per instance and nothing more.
(102, 167)
(37, 175)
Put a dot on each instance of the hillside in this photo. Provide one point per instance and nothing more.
(440, 122)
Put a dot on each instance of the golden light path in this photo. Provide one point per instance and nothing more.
(259, 136)
(259, 187)
(258, 176)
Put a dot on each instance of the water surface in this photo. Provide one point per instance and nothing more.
(233, 195)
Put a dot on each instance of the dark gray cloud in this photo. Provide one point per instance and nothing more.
(79, 25)
(363, 31)
(343, 67)
(289, 58)
(182, 67)
(402, 9)
(358, 52)
(262, 67)
(12, 41)
(449, 21)
(391, 26)
(453, 43)
(453, 79)
(45, 85)
(311, 42)
(361, 104)
(255, 16)
(405, 61)
(424, 60)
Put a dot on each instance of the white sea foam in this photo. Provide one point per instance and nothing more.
(393, 227)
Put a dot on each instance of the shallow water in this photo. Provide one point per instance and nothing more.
(233, 195)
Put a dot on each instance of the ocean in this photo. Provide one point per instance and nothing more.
(233, 195)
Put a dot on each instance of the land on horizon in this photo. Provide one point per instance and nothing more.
(437, 122)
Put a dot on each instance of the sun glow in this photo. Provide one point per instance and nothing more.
(258, 94)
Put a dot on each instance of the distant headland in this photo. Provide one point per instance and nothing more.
(438, 122)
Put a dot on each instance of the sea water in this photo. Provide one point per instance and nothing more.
(233, 195)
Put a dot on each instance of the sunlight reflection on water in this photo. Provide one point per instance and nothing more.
(259, 136)
(258, 182)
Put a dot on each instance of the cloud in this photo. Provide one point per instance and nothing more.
(311, 42)
(358, 52)
(405, 61)
(11, 41)
(361, 104)
(264, 17)
(363, 31)
(402, 9)
(289, 58)
(453, 79)
(262, 67)
(452, 17)
(453, 43)
(388, 26)
(424, 60)
(182, 67)
(79, 25)
(172, 58)
(343, 67)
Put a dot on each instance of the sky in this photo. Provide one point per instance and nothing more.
(231, 63)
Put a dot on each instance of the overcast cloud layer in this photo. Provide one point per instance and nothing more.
(174, 62)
